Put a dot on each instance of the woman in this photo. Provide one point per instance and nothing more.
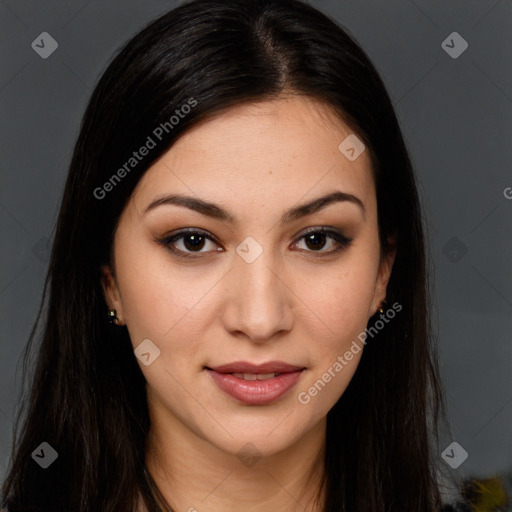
(236, 307)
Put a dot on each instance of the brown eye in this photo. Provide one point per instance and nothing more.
(318, 239)
(188, 242)
(315, 241)
(193, 242)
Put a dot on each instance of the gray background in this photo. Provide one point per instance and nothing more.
(456, 116)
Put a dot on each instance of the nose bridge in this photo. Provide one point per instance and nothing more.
(258, 280)
(259, 305)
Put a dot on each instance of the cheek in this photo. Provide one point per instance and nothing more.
(339, 299)
(158, 298)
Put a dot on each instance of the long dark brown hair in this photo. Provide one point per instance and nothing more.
(86, 395)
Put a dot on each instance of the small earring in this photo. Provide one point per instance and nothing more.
(381, 306)
(112, 317)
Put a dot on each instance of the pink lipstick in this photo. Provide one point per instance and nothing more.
(255, 384)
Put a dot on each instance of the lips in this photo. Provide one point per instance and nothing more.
(255, 384)
(244, 367)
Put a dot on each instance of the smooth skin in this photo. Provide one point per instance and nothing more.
(301, 301)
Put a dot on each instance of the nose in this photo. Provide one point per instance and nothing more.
(259, 303)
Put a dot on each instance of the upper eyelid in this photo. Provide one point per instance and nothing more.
(185, 232)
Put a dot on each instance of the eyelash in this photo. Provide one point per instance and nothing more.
(342, 241)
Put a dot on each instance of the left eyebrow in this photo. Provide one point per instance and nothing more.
(217, 212)
(319, 203)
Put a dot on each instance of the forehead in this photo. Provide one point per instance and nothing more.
(281, 150)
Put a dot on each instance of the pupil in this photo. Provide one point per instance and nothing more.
(315, 240)
(194, 242)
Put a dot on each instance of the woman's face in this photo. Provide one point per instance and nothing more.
(257, 280)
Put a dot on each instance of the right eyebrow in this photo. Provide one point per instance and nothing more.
(198, 205)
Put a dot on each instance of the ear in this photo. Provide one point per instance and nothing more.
(385, 268)
(111, 292)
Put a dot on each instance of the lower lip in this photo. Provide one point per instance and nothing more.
(255, 392)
